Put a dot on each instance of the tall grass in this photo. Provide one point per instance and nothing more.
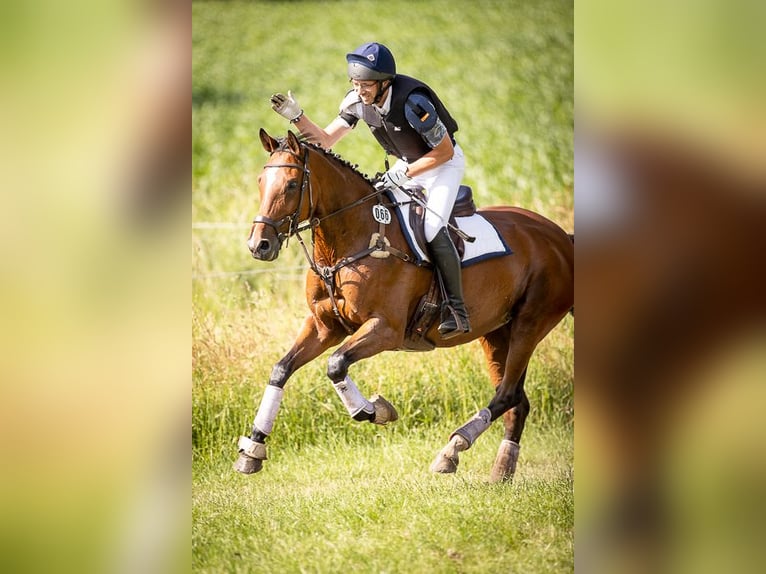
(336, 495)
(444, 387)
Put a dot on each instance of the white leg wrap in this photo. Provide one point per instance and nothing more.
(267, 411)
(352, 399)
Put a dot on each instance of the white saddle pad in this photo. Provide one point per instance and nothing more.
(488, 242)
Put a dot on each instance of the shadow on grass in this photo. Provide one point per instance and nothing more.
(210, 95)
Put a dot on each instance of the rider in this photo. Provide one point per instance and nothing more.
(410, 122)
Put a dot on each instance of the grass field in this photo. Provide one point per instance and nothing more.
(336, 495)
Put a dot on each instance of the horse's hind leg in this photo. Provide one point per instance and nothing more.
(495, 346)
(522, 338)
(504, 466)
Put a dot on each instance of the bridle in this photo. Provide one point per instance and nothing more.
(326, 273)
(293, 219)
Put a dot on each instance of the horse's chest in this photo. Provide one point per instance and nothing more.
(355, 295)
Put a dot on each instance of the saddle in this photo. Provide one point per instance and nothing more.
(429, 306)
(464, 207)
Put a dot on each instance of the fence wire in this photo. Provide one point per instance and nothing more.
(292, 272)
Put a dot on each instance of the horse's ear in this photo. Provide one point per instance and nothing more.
(294, 143)
(269, 143)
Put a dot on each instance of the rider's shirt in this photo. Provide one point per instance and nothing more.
(410, 121)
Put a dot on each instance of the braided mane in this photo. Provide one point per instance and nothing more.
(329, 154)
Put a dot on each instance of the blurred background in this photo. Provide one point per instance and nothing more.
(94, 285)
(670, 207)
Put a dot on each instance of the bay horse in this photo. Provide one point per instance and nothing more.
(365, 300)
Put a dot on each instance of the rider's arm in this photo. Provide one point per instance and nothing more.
(424, 119)
(327, 137)
(442, 153)
(289, 108)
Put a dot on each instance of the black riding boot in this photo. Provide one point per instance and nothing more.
(447, 261)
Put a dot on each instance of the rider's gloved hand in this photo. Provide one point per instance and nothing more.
(286, 106)
(393, 178)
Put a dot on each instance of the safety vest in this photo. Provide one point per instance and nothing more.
(395, 135)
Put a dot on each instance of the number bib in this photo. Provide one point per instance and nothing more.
(381, 214)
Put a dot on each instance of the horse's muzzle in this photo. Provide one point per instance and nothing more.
(264, 249)
(262, 246)
(264, 243)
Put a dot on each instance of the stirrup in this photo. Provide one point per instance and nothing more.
(453, 325)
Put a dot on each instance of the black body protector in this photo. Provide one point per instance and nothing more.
(413, 103)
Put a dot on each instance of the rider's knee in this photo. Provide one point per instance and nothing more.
(431, 227)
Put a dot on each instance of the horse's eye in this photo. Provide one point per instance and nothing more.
(292, 185)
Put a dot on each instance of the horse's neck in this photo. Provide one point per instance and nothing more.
(343, 230)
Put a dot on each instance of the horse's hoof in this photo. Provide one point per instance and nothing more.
(505, 463)
(247, 464)
(251, 456)
(499, 474)
(444, 465)
(384, 411)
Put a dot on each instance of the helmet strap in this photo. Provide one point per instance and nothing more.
(381, 91)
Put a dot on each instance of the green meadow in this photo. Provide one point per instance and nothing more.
(337, 495)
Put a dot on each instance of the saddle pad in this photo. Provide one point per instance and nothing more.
(488, 242)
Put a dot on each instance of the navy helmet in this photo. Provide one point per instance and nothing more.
(371, 61)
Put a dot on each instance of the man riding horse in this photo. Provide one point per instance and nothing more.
(411, 123)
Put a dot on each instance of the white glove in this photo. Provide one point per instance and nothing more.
(394, 178)
(286, 106)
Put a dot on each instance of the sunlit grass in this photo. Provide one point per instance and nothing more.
(375, 508)
(336, 495)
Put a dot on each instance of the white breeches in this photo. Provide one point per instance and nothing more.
(441, 185)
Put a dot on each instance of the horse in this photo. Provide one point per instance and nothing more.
(361, 297)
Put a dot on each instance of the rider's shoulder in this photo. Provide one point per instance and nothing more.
(420, 112)
(419, 99)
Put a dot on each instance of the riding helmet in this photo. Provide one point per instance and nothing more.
(371, 61)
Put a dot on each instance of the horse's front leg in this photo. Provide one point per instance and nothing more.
(313, 339)
(375, 335)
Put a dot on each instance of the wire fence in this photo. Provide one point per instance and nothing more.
(282, 273)
(291, 272)
(219, 225)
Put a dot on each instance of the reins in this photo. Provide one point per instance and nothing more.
(314, 222)
(378, 242)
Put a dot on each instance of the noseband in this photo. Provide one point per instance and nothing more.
(292, 220)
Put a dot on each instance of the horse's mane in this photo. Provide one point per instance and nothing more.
(328, 154)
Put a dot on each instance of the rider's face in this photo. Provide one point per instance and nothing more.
(367, 90)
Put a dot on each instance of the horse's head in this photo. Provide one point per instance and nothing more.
(285, 196)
